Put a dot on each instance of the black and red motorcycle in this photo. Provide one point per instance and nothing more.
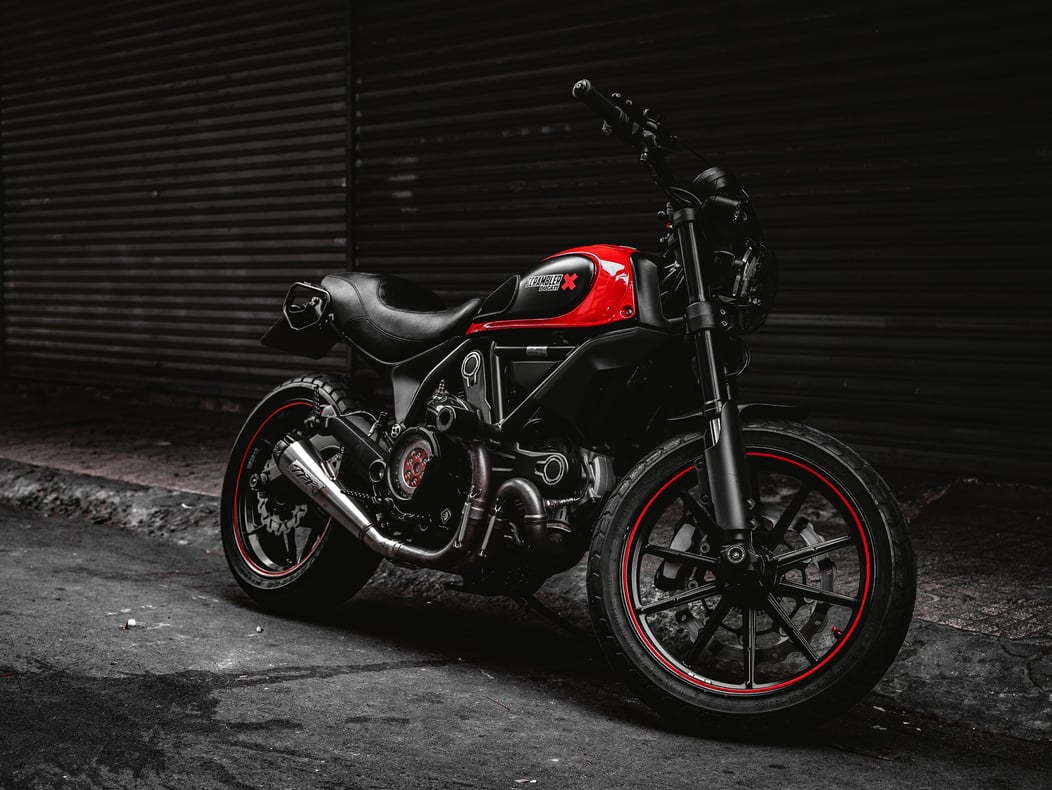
(746, 572)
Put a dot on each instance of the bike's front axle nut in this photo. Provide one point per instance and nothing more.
(736, 554)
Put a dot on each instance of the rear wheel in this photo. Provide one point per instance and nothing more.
(284, 551)
(811, 624)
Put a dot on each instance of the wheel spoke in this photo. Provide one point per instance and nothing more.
(817, 594)
(679, 556)
(679, 599)
(312, 535)
(774, 537)
(715, 620)
(291, 552)
(801, 556)
(749, 646)
(783, 620)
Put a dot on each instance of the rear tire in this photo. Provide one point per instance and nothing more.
(287, 554)
(817, 629)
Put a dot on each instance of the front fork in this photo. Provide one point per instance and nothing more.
(724, 462)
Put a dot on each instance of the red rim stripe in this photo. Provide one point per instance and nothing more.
(696, 681)
(237, 485)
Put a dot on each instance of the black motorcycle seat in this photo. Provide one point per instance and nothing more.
(392, 319)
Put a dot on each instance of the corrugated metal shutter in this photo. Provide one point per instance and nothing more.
(899, 157)
(168, 170)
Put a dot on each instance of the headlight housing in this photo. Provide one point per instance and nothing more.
(746, 283)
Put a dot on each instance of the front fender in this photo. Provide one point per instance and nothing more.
(771, 411)
(750, 412)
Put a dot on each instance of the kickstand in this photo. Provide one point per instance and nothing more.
(530, 602)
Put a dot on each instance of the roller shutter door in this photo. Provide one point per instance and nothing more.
(168, 170)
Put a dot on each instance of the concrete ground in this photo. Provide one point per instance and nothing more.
(978, 656)
(134, 663)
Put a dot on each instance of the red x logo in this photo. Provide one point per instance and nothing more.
(568, 282)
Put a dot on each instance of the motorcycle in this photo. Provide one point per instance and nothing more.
(746, 573)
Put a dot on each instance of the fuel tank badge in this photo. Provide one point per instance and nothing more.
(545, 282)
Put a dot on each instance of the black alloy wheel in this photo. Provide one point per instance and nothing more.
(746, 620)
(798, 622)
(285, 551)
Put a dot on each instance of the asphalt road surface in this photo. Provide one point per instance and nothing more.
(426, 691)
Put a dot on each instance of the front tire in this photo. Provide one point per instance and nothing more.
(286, 553)
(807, 635)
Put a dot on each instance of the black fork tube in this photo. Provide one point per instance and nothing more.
(725, 466)
(701, 317)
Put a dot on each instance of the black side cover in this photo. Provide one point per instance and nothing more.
(313, 342)
(571, 384)
(648, 291)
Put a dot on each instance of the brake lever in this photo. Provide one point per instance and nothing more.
(649, 121)
(628, 106)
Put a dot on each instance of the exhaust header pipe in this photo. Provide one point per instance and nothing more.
(300, 463)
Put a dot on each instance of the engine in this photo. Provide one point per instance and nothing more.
(541, 494)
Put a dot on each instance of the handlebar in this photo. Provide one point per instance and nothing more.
(643, 130)
(616, 118)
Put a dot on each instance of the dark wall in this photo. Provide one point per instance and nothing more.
(899, 158)
(168, 170)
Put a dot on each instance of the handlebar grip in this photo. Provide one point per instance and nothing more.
(731, 204)
(604, 108)
(735, 209)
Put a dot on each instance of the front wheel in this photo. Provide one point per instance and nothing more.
(804, 631)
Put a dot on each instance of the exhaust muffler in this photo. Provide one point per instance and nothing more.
(301, 464)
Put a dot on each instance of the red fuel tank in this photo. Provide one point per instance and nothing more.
(573, 289)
